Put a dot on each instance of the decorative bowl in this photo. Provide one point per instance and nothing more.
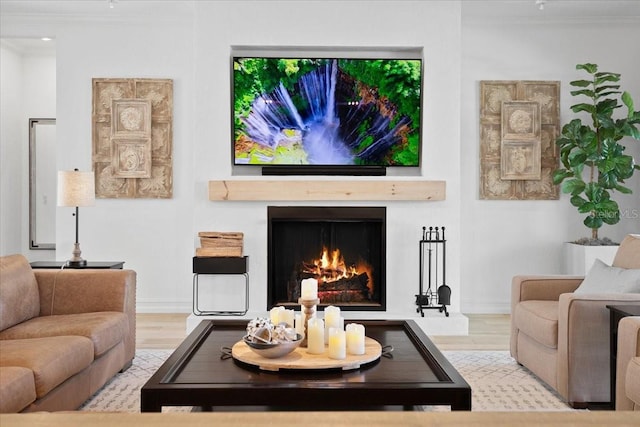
(272, 350)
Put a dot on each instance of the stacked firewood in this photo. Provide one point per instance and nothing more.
(220, 244)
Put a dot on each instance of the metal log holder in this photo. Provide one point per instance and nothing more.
(433, 247)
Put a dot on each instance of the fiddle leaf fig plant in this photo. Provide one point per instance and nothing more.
(593, 161)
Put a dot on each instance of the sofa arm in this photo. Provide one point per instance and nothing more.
(628, 348)
(584, 345)
(545, 288)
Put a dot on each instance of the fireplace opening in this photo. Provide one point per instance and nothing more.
(341, 247)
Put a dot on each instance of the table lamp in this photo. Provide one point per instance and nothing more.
(76, 189)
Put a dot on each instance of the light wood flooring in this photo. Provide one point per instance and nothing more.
(486, 332)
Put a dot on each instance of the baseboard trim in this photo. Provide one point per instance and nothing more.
(155, 306)
(476, 307)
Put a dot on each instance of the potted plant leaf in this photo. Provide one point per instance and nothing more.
(594, 164)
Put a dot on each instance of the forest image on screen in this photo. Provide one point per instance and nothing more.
(305, 111)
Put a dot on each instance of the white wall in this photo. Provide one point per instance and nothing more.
(488, 241)
(12, 171)
(28, 91)
(436, 27)
(153, 237)
(157, 237)
(504, 238)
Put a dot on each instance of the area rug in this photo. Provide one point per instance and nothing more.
(497, 382)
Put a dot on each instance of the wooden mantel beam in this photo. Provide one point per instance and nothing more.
(319, 190)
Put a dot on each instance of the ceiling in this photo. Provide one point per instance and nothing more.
(551, 9)
(97, 8)
(506, 8)
(31, 46)
(472, 10)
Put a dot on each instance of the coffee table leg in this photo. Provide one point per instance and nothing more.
(461, 403)
(149, 404)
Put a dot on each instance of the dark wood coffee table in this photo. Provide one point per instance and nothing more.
(415, 373)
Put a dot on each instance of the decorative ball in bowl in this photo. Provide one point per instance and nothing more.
(272, 350)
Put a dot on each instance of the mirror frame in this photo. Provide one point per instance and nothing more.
(33, 145)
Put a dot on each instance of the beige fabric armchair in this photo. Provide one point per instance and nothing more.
(563, 337)
(628, 365)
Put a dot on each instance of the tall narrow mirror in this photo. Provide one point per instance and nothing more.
(42, 184)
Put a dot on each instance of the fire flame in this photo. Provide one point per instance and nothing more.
(331, 267)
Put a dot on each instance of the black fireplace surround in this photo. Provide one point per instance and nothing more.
(344, 248)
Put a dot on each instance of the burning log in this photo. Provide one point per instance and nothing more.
(343, 297)
(345, 290)
(357, 283)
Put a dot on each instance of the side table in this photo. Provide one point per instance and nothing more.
(220, 266)
(617, 312)
(90, 264)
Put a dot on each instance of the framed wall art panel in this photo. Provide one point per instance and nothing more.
(132, 144)
(519, 124)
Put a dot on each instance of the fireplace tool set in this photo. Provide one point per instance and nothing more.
(433, 247)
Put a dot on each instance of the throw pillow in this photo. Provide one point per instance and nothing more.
(602, 278)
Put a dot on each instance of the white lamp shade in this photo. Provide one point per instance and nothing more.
(76, 188)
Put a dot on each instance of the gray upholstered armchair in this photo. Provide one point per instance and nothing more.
(562, 336)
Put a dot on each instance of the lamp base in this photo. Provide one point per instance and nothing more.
(76, 260)
(77, 263)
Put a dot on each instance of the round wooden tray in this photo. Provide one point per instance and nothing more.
(300, 359)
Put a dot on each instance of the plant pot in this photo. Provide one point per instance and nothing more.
(578, 259)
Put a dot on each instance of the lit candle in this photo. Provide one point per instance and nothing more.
(286, 316)
(315, 340)
(274, 314)
(309, 289)
(337, 344)
(331, 320)
(355, 338)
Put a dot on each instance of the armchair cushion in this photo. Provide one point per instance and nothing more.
(632, 383)
(628, 364)
(602, 278)
(538, 320)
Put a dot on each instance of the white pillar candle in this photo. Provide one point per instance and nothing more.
(331, 320)
(286, 316)
(355, 338)
(315, 340)
(337, 344)
(299, 324)
(274, 314)
(309, 289)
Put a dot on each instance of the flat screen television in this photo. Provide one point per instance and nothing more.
(295, 111)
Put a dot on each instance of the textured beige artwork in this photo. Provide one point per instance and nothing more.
(520, 160)
(131, 118)
(131, 158)
(520, 142)
(519, 123)
(132, 137)
(520, 120)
